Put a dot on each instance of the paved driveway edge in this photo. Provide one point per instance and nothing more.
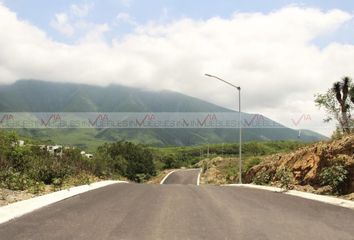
(311, 196)
(18, 209)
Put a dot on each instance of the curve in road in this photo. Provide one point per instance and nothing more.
(183, 176)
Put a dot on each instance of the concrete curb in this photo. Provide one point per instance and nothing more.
(320, 198)
(21, 208)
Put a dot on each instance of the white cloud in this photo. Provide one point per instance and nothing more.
(124, 17)
(72, 21)
(95, 34)
(270, 55)
(62, 24)
(81, 10)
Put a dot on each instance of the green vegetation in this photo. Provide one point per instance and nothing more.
(338, 103)
(125, 159)
(224, 168)
(262, 178)
(174, 157)
(336, 177)
(31, 168)
(251, 162)
(285, 177)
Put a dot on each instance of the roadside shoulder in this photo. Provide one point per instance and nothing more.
(21, 208)
(321, 198)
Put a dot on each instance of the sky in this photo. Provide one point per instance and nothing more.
(280, 52)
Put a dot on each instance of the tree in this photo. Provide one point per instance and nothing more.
(126, 159)
(338, 102)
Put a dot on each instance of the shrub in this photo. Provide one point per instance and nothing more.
(15, 180)
(262, 178)
(232, 173)
(37, 187)
(334, 176)
(57, 183)
(141, 177)
(285, 176)
(129, 160)
(171, 161)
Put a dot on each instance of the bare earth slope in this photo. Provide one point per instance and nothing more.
(307, 163)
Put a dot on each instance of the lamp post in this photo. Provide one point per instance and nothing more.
(240, 123)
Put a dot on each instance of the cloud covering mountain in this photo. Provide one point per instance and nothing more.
(273, 56)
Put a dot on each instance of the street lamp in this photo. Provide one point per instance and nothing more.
(240, 123)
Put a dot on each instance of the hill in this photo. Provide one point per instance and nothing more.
(41, 96)
(324, 168)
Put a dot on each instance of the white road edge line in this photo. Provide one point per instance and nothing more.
(18, 209)
(168, 174)
(191, 169)
(200, 172)
(311, 196)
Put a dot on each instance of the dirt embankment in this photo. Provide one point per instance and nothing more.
(307, 164)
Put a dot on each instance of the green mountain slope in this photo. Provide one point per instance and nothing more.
(40, 96)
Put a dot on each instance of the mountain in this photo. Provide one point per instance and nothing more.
(40, 96)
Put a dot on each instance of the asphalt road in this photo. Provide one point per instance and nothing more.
(172, 211)
(188, 176)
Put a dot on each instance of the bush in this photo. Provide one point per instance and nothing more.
(262, 178)
(126, 159)
(285, 176)
(231, 173)
(15, 180)
(57, 183)
(171, 161)
(334, 176)
(30, 167)
(37, 187)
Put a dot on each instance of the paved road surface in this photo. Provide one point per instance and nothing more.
(188, 176)
(133, 211)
